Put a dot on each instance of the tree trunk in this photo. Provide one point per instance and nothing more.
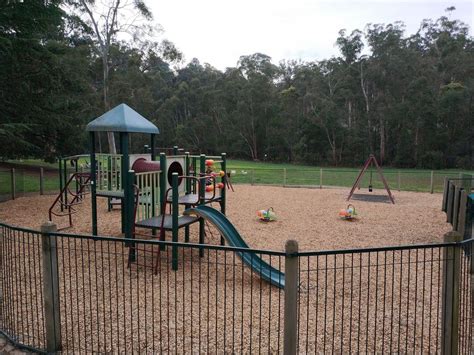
(365, 90)
(382, 141)
(416, 143)
(349, 113)
(110, 135)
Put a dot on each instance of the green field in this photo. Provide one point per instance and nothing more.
(289, 174)
(27, 182)
(249, 172)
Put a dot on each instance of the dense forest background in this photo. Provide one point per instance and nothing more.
(408, 98)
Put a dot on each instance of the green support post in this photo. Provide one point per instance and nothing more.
(174, 221)
(152, 147)
(162, 188)
(202, 195)
(129, 200)
(162, 182)
(175, 150)
(195, 174)
(129, 217)
(223, 180)
(186, 169)
(93, 186)
(124, 183)
(223, 190)
(202, 185)
(109, 182)
(153, 187)
(188, 190)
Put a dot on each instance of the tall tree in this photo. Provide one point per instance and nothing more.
(105, 20)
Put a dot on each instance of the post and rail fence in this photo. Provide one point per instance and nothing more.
(81, 293)
(16, 182)
(423, 181)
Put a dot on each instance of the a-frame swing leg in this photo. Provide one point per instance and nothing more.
(379, 170)
(359, 177)
(384, 181)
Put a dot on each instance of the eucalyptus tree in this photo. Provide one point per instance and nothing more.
(104, 21)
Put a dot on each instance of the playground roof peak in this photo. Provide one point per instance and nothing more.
(122, 118)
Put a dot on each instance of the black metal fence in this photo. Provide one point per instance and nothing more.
(398, 299)
(21, 287)
(383, 299)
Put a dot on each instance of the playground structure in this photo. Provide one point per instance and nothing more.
(145, 188)
(124, 303)
(367, 165)
(112, 304)
(110, 307)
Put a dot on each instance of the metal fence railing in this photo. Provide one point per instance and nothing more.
(83, 293)
(382, 300)
(22, 315)
(402, 180)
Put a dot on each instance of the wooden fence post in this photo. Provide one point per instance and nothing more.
(41, 181)
(445, 194)
(284, 177)
(432, 182)
(450, 294)
(456, 207)
(13, 183)
(291, 297)
(450, 206)
(51, 288)
(462, 214)
(321, 178)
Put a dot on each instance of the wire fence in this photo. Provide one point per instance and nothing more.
(403, 180)
(16, 182)
(88, 294)
(19, 182)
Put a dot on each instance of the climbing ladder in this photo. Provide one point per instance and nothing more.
(67, 199)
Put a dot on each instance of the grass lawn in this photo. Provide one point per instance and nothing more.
(27, 182)
(273, 173)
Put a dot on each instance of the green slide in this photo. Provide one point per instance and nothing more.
(233, 238)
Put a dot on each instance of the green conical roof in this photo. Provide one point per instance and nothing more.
(122, 118)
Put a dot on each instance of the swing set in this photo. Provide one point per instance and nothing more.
(368, 164)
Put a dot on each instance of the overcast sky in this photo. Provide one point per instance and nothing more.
(218, 32)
